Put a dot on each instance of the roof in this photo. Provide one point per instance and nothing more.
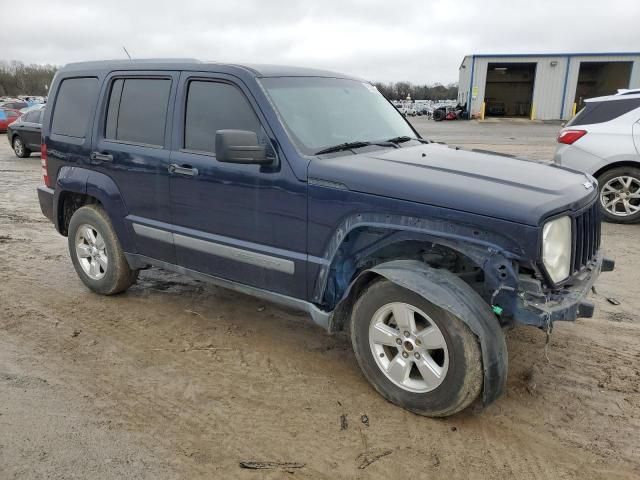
(615, 96)
(564, 54)
(191, 64)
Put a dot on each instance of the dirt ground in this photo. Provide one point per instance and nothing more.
(178, 379)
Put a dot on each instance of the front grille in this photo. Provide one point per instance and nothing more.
(587, 236)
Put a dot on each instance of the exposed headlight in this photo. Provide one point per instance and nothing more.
(556, 248)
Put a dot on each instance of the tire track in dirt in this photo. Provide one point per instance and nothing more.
(236, 381)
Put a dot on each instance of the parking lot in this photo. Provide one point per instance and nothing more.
(180, 379)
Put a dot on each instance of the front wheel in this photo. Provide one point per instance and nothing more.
(415, 354)
(96, 252)
(620, 195)
(19, 148)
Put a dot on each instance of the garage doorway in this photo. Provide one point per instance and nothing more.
(509, 89)
(596, 79)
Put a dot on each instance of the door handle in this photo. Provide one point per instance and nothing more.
(186, 170)
(97, 157)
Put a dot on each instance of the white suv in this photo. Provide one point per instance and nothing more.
(603, 139)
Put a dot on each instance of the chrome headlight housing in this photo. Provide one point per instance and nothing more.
(556, 248)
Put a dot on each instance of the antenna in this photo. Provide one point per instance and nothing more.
(125, 51)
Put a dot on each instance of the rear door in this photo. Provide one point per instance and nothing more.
(132, 147)
(636, 135)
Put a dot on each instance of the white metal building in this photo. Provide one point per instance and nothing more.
(548, 86)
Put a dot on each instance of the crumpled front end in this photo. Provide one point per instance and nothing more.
(535, 306)
(534, 299)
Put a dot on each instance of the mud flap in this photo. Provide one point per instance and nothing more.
(446, 290)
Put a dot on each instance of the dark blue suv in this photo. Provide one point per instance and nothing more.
(309, 189)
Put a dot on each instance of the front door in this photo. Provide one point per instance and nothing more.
(245, 223)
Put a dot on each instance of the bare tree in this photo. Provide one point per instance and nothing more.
(16, 78)
(400, 90)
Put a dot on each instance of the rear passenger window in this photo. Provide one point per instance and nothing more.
(76, 97)
(600, 112)
(213, 106)
(32, 117)
(137, 110)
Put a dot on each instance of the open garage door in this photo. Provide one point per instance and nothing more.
(509, 89)
(596, 79)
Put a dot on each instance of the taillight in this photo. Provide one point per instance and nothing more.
(43, 162)
(570, 136)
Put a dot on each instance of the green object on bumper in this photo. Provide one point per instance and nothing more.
(496, 309)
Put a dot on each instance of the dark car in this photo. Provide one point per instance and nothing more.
(496, 109)
(25, 134)
(309, 189)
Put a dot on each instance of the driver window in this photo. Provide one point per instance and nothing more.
(213, 106)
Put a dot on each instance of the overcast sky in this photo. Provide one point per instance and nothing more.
(422, 41)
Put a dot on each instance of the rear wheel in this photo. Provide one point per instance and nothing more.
(415, 354)
(19, 148)
(620, 194)
(96, 252)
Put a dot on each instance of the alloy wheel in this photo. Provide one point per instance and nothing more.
(620, 196)
(408, 347)
(91, 251)
(18, 147)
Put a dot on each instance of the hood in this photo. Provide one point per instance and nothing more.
(497, 186)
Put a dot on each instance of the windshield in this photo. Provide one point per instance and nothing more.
(323, 112)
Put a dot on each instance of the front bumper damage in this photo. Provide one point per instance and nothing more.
(539, 307)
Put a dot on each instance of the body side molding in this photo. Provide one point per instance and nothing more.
(318, 316)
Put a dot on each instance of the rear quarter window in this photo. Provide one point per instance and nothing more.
(600, 112)
(32, 116)
(74, 102)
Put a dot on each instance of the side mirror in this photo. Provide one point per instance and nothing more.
(240, 146)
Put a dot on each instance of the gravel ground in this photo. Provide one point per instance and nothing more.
(180, 379)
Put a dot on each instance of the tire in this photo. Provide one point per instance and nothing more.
(99, 261)
(620, 185)
(438, 115)
(459, 362)
(19, 148)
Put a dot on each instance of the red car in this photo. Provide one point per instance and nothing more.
(7, 116)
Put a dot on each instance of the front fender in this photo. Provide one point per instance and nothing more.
(446, 290)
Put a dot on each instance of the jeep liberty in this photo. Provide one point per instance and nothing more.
(309, 189)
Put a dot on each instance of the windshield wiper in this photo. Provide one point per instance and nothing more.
(405, 138)
(343, 146)
(400, 139)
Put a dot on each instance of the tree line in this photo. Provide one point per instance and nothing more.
(16, 78)
(400, 90)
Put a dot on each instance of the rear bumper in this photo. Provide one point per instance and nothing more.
(573, 157)
(45, 197)
(539, 308)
